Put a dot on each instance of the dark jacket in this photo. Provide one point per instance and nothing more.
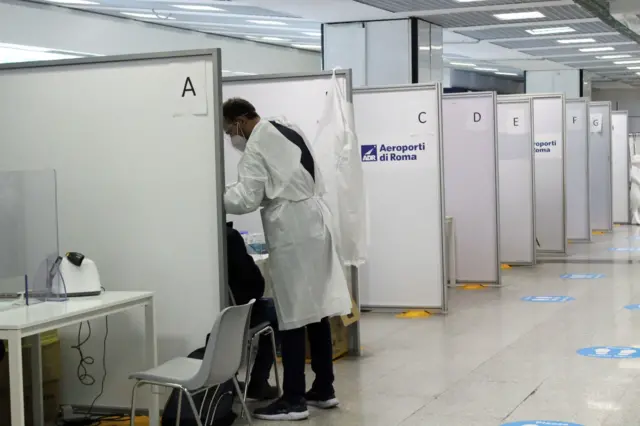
(245, 279)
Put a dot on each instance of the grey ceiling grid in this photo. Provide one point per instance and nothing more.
(397, 6)
(568, 51)
(526, 44)
(517, 32)
(159, 5)
(470, 19)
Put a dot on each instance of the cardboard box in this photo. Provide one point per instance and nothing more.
(51, 365)
(339, 339)
(51, 375)
(51, 397)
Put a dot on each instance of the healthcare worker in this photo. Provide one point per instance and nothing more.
(278, 172)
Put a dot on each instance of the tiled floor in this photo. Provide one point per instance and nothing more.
(496, 359)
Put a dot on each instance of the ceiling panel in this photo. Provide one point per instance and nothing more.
(517, 32)
(569, 51)
(397, 6)
(230, 9)
(470, 19)
(525, 44)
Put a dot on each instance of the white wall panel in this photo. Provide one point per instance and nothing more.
(516, 173)
(600, 167)
(577, 170)
(471, 183)
(549, 138)
(620, 166)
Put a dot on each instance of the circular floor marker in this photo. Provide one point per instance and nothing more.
(541, 423)
(547, 299)
(615, 352)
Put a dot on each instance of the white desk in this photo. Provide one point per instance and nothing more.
(29, 321)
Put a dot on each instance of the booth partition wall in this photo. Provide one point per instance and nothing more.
(279, 97)
(549, 146)
(600, 167)
(517, 178)
(620, 166)
(577, 170)
(471, 183)
(130, 152)
(400, 135)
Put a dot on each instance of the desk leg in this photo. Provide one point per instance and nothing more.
(151, 351)
(36, 380)
(16, 380)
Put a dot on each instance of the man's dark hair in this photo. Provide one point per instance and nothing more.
(238, 107)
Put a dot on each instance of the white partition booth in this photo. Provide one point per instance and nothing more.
(549, 146)
(298, 99)
(620, 166)
(517, 181)
(136, 143)
(400, 135)
(600, 168)
(577, 170)
(470, 146)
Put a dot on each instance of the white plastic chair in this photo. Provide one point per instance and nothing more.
(255, 333)
(223, 357)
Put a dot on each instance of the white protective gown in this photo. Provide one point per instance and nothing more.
(307, 277)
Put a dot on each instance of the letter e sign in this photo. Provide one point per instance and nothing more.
(188, 89)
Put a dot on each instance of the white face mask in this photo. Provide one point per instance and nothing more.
(239, 142)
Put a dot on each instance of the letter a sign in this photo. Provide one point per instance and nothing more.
(188, 89)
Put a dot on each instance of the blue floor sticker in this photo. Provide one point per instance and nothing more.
(617, 352)
(548, 299)
(541, 423)
(581, 276)
(624, 249)
(632, 307)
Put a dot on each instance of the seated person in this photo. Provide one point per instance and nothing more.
(246, 283)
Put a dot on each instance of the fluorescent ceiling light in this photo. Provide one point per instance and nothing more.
(307, 46)
(507, 73)
(576, 40)
(552, 30)
(463, 64)
(613, 57)
(199, 7)
(638, 73)
(486, 69)
(260, 22)
(313, 34)
(274, 39)
(597, 49)
(633, 68)
(519, 15)
(147, 15)
(78, 2)
(635, 61)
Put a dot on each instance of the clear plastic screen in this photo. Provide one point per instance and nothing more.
(28, 232)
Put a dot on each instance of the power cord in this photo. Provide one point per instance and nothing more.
(82, 372)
